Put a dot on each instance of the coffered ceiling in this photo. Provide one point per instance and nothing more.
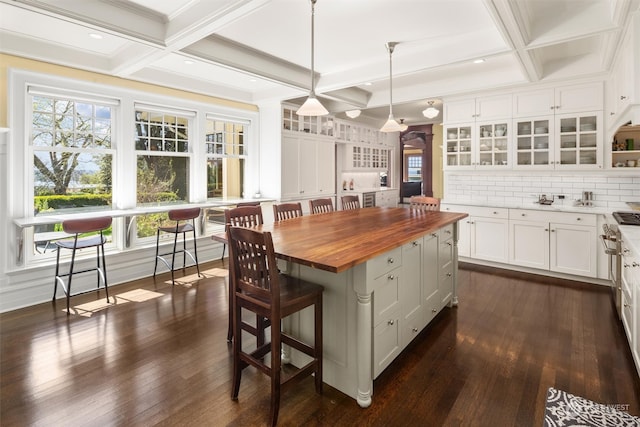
(258, 51)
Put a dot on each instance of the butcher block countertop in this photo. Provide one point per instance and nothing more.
(340, 240)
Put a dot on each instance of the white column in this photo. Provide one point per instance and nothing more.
(363, 349)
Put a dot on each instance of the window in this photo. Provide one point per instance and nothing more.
(72, 155)
(163, 160)
(226, 154)
(414, 167)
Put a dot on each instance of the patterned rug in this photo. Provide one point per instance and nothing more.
(564, 409)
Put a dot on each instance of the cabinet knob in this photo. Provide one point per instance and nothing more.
(391, 277)
(524, 214)
(435, 235)
(449, 274)
(578, 219)
(635, 264)
(552, 107)
(553, 231)
(447, 231)
(449, 243)
(414, 329)
(622, 97)
(546, 229)
(557, 107)
(414, 243)
(391, 322)
(495, 213)
(390, 260)
(433, 310)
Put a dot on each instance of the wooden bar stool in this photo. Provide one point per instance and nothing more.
(222, 237)
(350, 202)
(285, 211)
(321, 206)
(185, 223)
(248, 215)
(424, 203)
(78, 227)
(260, 288)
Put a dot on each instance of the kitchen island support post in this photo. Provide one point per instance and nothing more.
(363, 349)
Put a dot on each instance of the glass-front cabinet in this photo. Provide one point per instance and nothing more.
(481, 145)
(458, 146)
(560, 141)
(315, 125)
(534, 142)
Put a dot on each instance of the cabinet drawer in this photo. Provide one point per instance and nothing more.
(557, 217)
(627, 316)
(481, 211)
(385, 262)
(386, 295)
(446, 233)
(386, 343)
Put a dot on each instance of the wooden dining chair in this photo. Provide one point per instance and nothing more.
(247, 215)
(284, 211)
(87, 233)
(350, 202)
(424, 203)
(184, 223)
(321, 206)
(260, 288)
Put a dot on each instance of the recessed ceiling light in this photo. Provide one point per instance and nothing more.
(368, 84)
(478, 61)
(253, 80)
(96, 36)
(189, 62)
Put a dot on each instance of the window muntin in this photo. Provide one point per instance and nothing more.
(161, 132)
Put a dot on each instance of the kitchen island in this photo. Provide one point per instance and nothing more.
(386, 271)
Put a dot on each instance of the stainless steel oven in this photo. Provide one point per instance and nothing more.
(612, 241)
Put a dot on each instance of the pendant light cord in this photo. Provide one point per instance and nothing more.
(390, 47)
(313, 73)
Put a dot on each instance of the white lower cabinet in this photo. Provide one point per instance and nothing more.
(484, 233)
(556, 241)
(561, 242)
(412, 285)
(630, 299)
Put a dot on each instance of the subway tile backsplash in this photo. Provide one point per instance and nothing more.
(610, 191)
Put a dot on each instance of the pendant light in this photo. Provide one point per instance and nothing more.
(391, 125)
(431, 112)
(312, 107)
(403, 127)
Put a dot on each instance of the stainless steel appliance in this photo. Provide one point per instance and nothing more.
(612, 241)
(627, 218)
(368, 199)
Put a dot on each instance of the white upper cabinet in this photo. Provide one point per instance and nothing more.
(482, 109)
(561, 100)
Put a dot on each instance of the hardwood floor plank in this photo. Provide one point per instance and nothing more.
(163, 360)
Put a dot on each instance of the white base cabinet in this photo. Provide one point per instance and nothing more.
(631, 299)
(560, 242)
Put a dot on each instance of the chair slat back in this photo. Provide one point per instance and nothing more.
(253, 265)
(318, 206)
(285, 211)
(350, 202)
(86, 225)
(184, 214)
(424, 203)
(244, 216)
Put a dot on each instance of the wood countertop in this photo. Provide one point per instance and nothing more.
(338, 241)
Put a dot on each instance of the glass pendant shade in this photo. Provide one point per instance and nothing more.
(312, 107)
(430, 112)
(391, 125)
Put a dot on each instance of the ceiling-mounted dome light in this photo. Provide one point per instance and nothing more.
(352, 114)
(312, 107)
(431, 112)
(391, 125)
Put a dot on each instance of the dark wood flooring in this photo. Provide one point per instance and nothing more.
(160, 357)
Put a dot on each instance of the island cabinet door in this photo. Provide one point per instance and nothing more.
(431, 272)
(411, 300)
(387, 335)
(445, 265)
